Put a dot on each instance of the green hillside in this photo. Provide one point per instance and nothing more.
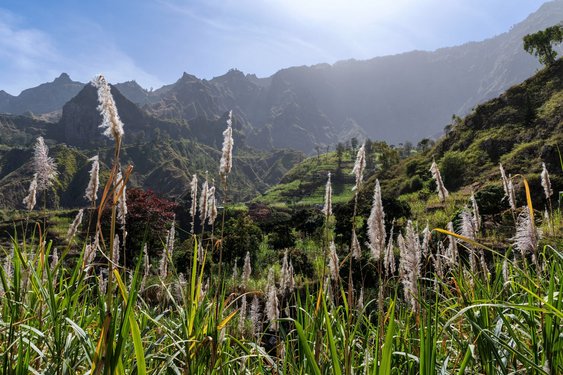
(304, 184)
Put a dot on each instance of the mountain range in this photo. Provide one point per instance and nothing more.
(405, 97)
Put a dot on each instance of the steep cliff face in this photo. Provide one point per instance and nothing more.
(79, 124)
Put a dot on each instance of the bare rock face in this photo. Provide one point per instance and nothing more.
(80, 121)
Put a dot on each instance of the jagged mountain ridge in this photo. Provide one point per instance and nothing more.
(407, 96)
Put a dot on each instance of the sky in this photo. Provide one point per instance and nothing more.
(154, 42)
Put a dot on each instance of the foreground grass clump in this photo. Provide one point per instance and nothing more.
(53, 320)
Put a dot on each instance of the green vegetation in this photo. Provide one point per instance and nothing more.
(541, 43)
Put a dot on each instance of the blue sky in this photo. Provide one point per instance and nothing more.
(155, 41)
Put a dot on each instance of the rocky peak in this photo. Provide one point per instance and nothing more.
(63, 78)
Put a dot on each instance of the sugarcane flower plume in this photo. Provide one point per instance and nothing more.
(193, 190)
(203, 201)
(31, 199)
(389, 256)
(376, 224)
(272, 302)
(327, 209)
(440, 188)
(226, 163)
(91, 193)
(333, 262)
(121, 189)
(355, 248)
(527, 235)
(468, 226)
(476, 215)
(545, 183)
(43, 165)
(211, 206)
(74, 226)
(107, 108)
(359, 166)
(511, 193)
(246, 269)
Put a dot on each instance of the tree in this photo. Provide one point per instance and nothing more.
(339, 153)
(354, 143)
(541, 44)
(148, 219)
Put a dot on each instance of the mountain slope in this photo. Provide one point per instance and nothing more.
(521, 128)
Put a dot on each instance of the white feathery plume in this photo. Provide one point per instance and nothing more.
(389, 257)
(255, 316)
(468, 227)
(333, 263)
(43, 165)
(287, 281)
(547, 219)
(511, 193)
(284, 270)
(360, 301)
(54, 259)
(90, 251)
(413, 244)
(200, 252)
(242, 314)
(246, 270)
(409, 265)
(146, 267)
(359, 167)
(476, 215)
(327, 209)
(508, 187)
(545, 182)
(91, 193)
(211, 206)
(438, 261)
(376, 225)
(110, 118)
(102, 283)
(355, 248)
(426, 237)
(272, 302)
(163, 266)
(203, 201)
(235, 270)
(440, 188)
(115, 253)
(527, 235)
(31, 199)
(193, 208)
(504, 180)
(452, 252)
(171, 237)
(74, 226)
(122, 200)
(167, 252)
(226, 163)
